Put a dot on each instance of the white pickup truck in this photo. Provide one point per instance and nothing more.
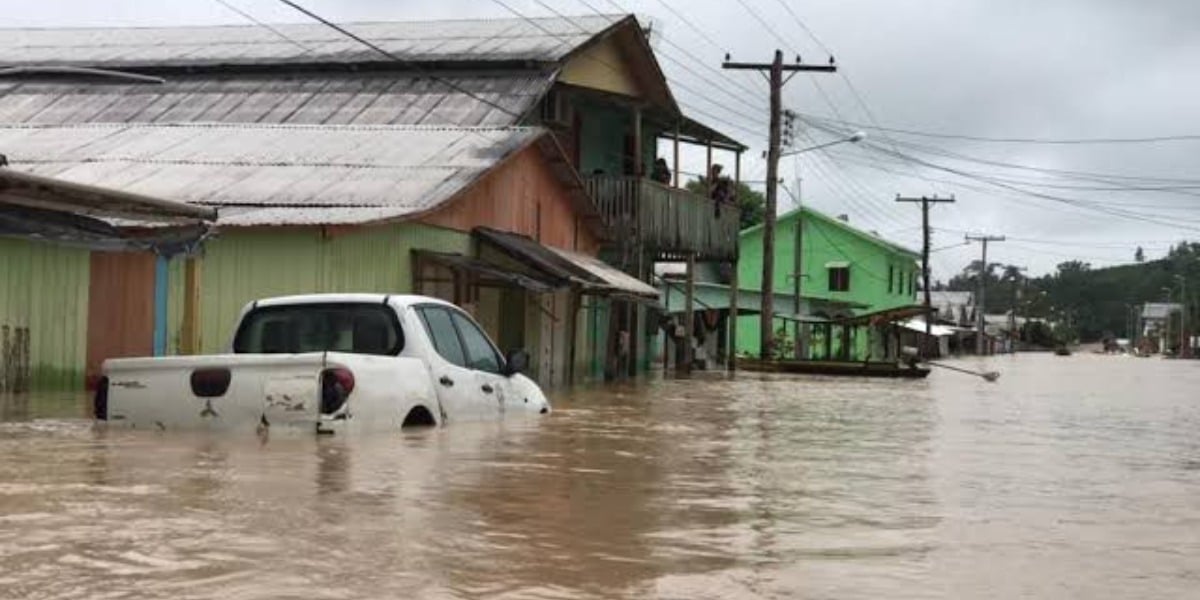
(327, 363)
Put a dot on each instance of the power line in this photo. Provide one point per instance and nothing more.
(761, 21)
(1062, 173)
(689, 23)
(415, 66)
(799, 22)
(1015, 140)
(266, 26)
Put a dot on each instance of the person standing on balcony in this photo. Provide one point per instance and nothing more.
(720, 190)
(661, 172)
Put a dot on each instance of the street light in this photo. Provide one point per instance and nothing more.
(854, 138)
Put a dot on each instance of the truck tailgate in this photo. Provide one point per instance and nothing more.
(227, 391)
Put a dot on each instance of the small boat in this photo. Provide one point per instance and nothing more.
(834, 367)
(1062, 351)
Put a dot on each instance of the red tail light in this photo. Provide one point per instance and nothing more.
(336, 385)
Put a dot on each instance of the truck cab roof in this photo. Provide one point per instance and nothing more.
(397, 300)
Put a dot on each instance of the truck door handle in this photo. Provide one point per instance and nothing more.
(487, 389)
(446, 381)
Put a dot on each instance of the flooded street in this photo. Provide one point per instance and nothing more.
(1069, 478)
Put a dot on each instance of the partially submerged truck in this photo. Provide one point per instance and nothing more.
(327, 363)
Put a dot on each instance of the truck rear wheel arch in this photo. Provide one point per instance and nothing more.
(419, 416)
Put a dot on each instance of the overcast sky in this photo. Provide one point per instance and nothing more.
(1047, 69)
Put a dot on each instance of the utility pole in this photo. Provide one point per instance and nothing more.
(775, 70)
(925, 202)
(983, 271)
(1184, 338)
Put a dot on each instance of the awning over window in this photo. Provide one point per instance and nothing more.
(536, 256)
(935, 330)
(615, 281)
(563, 267)
(37, 207)
(884, 316)
(487, 274)
(837, 264)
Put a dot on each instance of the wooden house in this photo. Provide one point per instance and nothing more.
(336, 167)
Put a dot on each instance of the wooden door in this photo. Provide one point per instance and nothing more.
(120, 308)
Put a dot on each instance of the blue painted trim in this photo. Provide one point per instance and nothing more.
(160, 306)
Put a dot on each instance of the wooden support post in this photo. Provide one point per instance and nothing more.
(689, 316)
(161, 273)
(638, 168)
(667, 348)
(675, 171)
(708, 182)
(733, 317)
(576, 303)
(189, 336)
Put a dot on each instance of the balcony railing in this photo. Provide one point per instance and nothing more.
(670, 222)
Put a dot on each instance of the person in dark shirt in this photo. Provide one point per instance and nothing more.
(720, 190)
(661, 173)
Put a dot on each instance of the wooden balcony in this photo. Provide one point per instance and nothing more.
(669, 222)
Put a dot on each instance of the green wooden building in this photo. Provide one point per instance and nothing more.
(852, 284)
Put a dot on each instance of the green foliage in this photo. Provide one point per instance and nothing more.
(750, 202)
(1086, 303)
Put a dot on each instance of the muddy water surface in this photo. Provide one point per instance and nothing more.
(1069, 478)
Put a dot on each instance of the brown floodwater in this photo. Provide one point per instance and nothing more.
(1071, 477)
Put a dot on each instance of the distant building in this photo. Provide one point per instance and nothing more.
(856, 289)
(953, 308)
(1156, 322)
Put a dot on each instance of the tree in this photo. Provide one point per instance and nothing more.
(750, 202)
(1140, 255)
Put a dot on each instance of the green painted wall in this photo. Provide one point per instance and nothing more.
(825, 240)
(243, 265)
(45, 288)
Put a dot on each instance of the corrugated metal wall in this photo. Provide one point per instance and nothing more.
(44, 291)
(243, 265)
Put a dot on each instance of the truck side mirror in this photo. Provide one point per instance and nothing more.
(516, 362)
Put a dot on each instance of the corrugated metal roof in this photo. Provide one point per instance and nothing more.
(1159, 310)
(277, 174)
(542, 40)
(307, 98)
(614, 280)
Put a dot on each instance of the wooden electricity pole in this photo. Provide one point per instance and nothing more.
(775, 69)
(925, 202)
(980, 301)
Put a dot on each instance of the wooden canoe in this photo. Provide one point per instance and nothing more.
(831, 367)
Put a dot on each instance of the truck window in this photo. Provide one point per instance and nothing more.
(291, 329)
(481, 355)
(443, 334)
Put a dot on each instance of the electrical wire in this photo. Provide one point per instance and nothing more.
(415, 66)
(267, 26)
(1013, 140)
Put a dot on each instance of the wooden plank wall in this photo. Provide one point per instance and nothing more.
(521, 196)
(120, 308)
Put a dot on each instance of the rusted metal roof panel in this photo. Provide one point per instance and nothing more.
(292, 174)
(404, 98)
(535, 40)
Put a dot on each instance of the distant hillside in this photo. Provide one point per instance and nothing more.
(1092, 302)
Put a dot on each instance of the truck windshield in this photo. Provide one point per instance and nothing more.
(291, 329)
